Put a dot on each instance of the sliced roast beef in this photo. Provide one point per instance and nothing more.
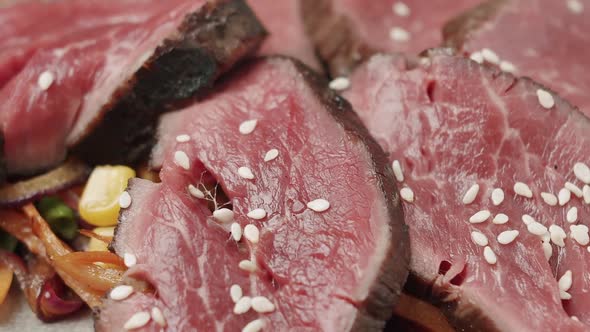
(283, 20)
(345, 32)
(544, 39)
(98, 90)
(320, 238)
(485, 171)
(31, 26)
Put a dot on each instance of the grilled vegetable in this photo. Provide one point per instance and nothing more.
(99, 204)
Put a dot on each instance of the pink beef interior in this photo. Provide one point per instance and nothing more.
(453, 123)
(373, 21)
(287, 33)
(88, 65)
(317, 268)
(552, 49)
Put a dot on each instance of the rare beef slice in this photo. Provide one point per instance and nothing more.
(493, 170)
(309, 237)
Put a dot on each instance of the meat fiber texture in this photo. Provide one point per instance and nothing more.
(284, 22)
(95, 84)
(346, 32)
(338, 269)
(543, 39)
(452, 123)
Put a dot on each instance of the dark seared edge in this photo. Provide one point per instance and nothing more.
(461, 315)
(333, 37)
(384, 294)
(457, 31)
(2, 159)
(184, 66)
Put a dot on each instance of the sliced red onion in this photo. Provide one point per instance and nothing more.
(51, 304)
(42, 287)
(67, 174)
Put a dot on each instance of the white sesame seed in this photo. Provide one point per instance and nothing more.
(545, 99)
(271, 154)
(158, 316)
(181, 159)
(223, 215)
(507, 237)
(401, 9)
(564, 196)
(195, 192)
(522, 189)
(236, 293)
(236, 231)
(588, 248)
(582, 172)
(245, 173)
(547, 250)
(397, 171)
(480, 217)
(507, 66)
(257, 214)
(254, 326)
(572, 215)
(261, 304)
(490, 56)
(580, 234)
(536, 228)
(183, 138)
(575, 318)
(477, 57)
(549, 198)
(574, 189)
(129, 259)
(247, 265)
(471, 194)
(564, 295)
(557, 235)
(248, 126)
(500, 219)
(121, 292)
(425, 61)
(47, 295)
(546, 237)
(319, 205)
(243, 305)
(125, 200)
(497, 196)
(586, 194)
(479, 238)
(575, 6)
(45, 80)
(138, 320)
(565, 282)
(489, 255)
(251, 233)
(527, 220)
(339, 84)
(399, 34)
(407, 194)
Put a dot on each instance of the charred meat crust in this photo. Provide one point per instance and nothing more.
(462, 316)
(377, 308)
(207, 44)
(457, 31)
(334, 37)
(2, 160)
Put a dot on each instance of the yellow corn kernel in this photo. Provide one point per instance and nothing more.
(98, 245)
(99, 204)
